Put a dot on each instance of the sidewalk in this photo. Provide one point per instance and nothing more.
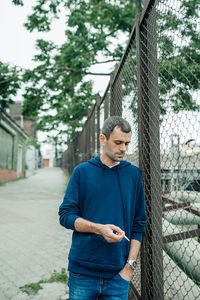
(32, 242)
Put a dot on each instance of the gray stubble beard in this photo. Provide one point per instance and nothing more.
(112, 157)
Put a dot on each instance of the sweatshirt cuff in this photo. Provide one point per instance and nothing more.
(70, 221)
(137, 236)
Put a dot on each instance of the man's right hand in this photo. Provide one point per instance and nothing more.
(111, 233)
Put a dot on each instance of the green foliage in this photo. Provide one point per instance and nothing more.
(33, 142)
(18, 2)
(33, 288)
(9, 84)
(59, 277)
(43, 14)
(179, 71)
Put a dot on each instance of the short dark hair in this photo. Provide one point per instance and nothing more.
(112, 122)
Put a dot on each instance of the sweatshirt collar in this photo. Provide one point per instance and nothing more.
(97, 162)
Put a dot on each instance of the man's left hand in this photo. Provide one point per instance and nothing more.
(126, 273)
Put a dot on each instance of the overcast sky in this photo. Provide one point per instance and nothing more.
(17, 44)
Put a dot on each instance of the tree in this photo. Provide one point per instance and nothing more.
(59, 85)
(9, 84)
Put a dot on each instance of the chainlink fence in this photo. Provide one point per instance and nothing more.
(156, 88)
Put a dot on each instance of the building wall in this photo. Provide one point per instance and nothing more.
(6, 149)
(7, 175)
(33, 158)
(12, 149)
(28, 125)
(19, 142)
(45, 162)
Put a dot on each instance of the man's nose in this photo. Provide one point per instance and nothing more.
(122, 148)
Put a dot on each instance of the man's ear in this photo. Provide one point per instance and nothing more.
(102, 139)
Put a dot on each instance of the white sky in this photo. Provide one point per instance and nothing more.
(17, 44)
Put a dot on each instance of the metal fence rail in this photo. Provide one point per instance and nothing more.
(156, 88)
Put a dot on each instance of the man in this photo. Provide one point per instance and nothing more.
(104, 205)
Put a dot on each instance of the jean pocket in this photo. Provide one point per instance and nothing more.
(127, 281)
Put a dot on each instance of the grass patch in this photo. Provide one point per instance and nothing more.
(2, 184)
(33, 288)
(59, 277)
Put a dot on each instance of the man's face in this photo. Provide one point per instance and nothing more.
(115, 147)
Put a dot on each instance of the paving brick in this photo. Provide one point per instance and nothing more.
(32, 243)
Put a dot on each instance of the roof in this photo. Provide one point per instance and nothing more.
(10, 125)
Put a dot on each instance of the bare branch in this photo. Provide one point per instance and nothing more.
(71, 70)
(106, 61)
(62, 69)
(9, 79)
(111, 33)
(97, 74)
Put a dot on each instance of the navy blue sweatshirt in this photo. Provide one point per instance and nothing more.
(103, 195)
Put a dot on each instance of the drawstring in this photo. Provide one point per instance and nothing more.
(124, 212)
(123, 204)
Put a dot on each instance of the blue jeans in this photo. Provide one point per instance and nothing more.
(84, 287)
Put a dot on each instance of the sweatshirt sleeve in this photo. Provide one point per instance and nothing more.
(139, 223)
(69, 210)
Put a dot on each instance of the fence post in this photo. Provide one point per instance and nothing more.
(87, 139)
(98, 105)
(92, 133)
(75, 151)
(112, 100)
(116, 95)
(152, 286)
(107, 106)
